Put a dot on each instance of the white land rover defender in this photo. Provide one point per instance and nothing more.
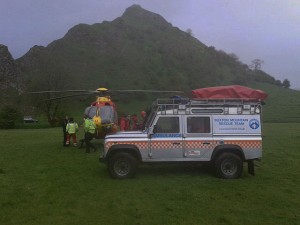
(224, 132)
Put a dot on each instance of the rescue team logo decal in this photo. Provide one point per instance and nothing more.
(254, 124)
(236, 124)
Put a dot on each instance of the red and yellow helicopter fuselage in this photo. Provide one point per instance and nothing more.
(104, 114)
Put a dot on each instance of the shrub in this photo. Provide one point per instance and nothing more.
(8, 117)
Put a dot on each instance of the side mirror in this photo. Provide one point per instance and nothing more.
(155, 129)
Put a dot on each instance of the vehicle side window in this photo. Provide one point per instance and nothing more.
(167, 125)
(198, 124)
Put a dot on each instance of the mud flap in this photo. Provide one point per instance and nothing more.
(251, 167)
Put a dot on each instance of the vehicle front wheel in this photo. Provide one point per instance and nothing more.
(122, 165)
(228, 166)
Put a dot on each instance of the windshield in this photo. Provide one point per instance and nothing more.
(91, 111)
(107, 114)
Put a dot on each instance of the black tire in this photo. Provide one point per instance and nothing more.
(122, 165)
(229, 166)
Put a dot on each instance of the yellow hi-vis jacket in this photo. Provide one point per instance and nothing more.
(72, 128)
(89, 126)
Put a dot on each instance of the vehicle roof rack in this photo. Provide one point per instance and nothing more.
(197, 102)
(174, 105)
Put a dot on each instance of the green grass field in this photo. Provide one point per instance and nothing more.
(43, 183)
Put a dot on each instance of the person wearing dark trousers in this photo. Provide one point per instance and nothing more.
(90, 130)
(88, 138)
(64, 123)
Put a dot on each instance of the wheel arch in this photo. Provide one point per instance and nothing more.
(131, 149)
(227, 148)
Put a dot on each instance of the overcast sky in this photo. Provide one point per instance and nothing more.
(264, 29)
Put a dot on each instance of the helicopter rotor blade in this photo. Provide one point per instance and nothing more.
(149, 91)
(99, 92)
(49, 92)
(67, 96)
(104, 91)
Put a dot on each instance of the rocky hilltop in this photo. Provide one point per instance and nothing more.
(10, 78)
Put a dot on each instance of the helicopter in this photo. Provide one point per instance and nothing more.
(103, 110)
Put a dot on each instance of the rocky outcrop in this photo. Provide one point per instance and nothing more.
(139, 15)
(30, 59)
(9, 71)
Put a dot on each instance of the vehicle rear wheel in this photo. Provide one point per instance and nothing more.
(122, 165)
(228, 166)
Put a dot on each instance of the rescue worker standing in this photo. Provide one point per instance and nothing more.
(127, 123)
(64, 123)
(134, 122)
(142, 124)
(122, 122)
(71, 129)
(90, 130)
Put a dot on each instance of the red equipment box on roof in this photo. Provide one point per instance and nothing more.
(232, 91)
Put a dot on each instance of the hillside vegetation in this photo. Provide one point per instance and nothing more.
(140, 49)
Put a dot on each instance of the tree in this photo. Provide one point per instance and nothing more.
(256, 64)
(234, 57)
(54, 79)
(189, 32)
(278, 83)
(286, 83)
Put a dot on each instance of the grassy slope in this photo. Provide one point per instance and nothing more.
(43, 183)
(282, 105)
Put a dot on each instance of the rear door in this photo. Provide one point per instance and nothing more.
(198, 140)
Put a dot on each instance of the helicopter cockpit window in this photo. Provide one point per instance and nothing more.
(91, 111)
(107, 114)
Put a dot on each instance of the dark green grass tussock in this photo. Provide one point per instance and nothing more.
(44, 183)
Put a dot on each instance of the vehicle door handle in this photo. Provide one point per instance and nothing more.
(176, 143)
(206, 143)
